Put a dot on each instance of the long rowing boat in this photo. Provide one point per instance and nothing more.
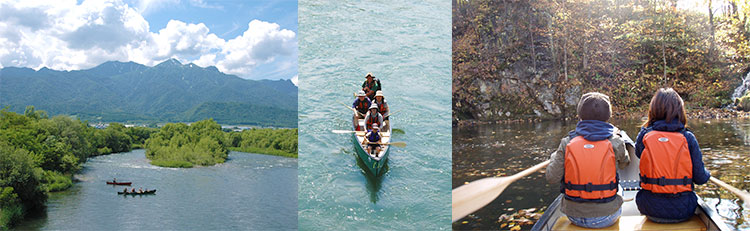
(706, 217)
(375, 165)
(153, 191)
(119, 183)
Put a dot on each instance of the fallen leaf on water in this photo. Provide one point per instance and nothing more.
(464, 222)
(508, 201)
(515, 228)
(503, 225)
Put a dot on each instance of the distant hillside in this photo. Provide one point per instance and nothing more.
(167, 92)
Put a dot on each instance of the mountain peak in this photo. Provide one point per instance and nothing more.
(170, 63)
(212, 68)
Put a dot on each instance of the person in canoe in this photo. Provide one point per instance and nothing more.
(133, 191)
(372, 139)
(371, 85)
(125, 190)
(114, 180)
(671, 161)
(382, 108)
(586, 165)
(361, 104)
(140, 190)
(373, 118)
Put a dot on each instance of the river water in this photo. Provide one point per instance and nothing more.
(494, 150)
(248, 191)
(408, 46)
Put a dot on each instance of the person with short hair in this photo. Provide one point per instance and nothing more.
(586, 164)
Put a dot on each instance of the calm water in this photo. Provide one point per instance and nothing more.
(249, 191)
(407, 46)
(492, 150)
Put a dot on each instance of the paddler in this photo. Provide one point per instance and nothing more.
(373, 118)
(382, 108)
(361, 104)
(671, 161)
(372, 139)
(371, 85)
(586, 165)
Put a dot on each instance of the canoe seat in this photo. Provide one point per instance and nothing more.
(635, 223)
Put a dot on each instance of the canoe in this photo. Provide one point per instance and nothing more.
(119, 183)
(138, 193)
(375, 165)
(706, 217)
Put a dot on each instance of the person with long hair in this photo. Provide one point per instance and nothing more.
(671, 161)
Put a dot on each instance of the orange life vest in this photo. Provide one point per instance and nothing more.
(381, 107)
(362, 106)
(666, 166)
(590, 169)
(369, 121)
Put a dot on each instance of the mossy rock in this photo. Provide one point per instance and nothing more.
(744, 103)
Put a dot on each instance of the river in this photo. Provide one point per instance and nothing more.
(408, 46)
(492, 150)
(248, 191)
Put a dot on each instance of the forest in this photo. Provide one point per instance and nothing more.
(533, 59)
(39, 154)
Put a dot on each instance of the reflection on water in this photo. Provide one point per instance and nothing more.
(501, 149)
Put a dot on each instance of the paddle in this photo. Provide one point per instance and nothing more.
(475, 195)
(355, 110)
(399, 144)
(343, 131)
(743, 195)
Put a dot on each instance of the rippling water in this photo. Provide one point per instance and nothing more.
(492, 150)
(249, 191)
(407, 46)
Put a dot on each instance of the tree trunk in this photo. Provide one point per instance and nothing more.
(565, 44)
(713, 37)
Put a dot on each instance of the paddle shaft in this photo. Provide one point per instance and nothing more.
(744, 196)
(350, 108)
(475, 195)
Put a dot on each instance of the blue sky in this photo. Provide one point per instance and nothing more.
(251, 39)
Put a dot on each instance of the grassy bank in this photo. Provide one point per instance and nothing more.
(265, 151)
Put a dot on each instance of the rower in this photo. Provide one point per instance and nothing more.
(371, 85)
(361, 104)
(382, 108)
(372, 139)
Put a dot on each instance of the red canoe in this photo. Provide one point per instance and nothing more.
(119, 183)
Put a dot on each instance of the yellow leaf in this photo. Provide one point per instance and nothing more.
(516, 228)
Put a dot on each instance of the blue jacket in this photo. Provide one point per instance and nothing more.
(669, 206)
(361, 110)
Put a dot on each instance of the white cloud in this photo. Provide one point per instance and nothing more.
(295, 79)
(64, 35)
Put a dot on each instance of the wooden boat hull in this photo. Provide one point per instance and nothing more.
(148, 192)
(119, 183)
(375, 165)
(706, 218)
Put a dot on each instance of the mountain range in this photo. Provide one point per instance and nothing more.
(168, 92)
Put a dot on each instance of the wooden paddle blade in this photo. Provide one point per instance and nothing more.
(342, 131)
(475, 195)
(743, 195)
(398, 144)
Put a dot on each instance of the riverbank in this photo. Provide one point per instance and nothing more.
(271, 152)
(699, 113)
